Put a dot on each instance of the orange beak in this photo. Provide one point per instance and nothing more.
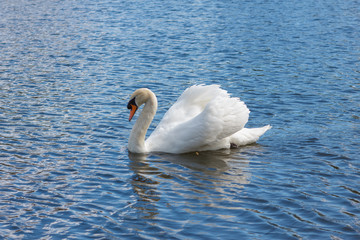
(132, 111)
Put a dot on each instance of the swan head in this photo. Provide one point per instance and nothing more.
(139, 97)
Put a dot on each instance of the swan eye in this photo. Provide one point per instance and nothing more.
(131, 102)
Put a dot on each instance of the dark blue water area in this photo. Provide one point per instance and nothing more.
(68, 68)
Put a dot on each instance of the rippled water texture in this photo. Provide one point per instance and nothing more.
(66, 72)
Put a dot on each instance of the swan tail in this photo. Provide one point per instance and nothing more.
(248, 135)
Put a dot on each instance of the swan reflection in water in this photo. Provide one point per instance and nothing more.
(160, 179)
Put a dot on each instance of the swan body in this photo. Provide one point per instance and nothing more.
(203, 118)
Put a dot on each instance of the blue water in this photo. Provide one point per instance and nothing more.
(67, 69)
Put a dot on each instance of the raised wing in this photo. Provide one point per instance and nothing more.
(191, 103)
(202, 115)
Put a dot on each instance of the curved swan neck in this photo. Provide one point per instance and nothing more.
(137, 137)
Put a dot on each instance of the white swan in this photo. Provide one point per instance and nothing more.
(203, 118)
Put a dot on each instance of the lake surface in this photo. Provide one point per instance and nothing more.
(68, 68)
